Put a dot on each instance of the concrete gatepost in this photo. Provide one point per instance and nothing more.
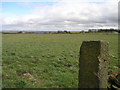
(93, 64)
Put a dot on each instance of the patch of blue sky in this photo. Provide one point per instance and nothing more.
(98, 2)
(30, 0)
(9, 8)
(21, 8)
(43, 3)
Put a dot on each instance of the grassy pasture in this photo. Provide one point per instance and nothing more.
(48, 60)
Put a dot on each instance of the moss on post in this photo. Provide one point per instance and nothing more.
(93, 64)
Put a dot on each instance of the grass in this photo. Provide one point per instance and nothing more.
(48, 60)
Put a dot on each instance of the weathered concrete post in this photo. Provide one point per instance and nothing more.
(93, 64)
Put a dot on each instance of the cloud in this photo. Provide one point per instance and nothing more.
(67, 14)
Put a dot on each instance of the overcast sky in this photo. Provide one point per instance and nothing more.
(59, 14)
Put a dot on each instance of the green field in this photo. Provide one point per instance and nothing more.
(48, 60)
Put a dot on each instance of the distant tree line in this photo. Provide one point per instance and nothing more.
(104, 30)
(71, 32)
(63, 32)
